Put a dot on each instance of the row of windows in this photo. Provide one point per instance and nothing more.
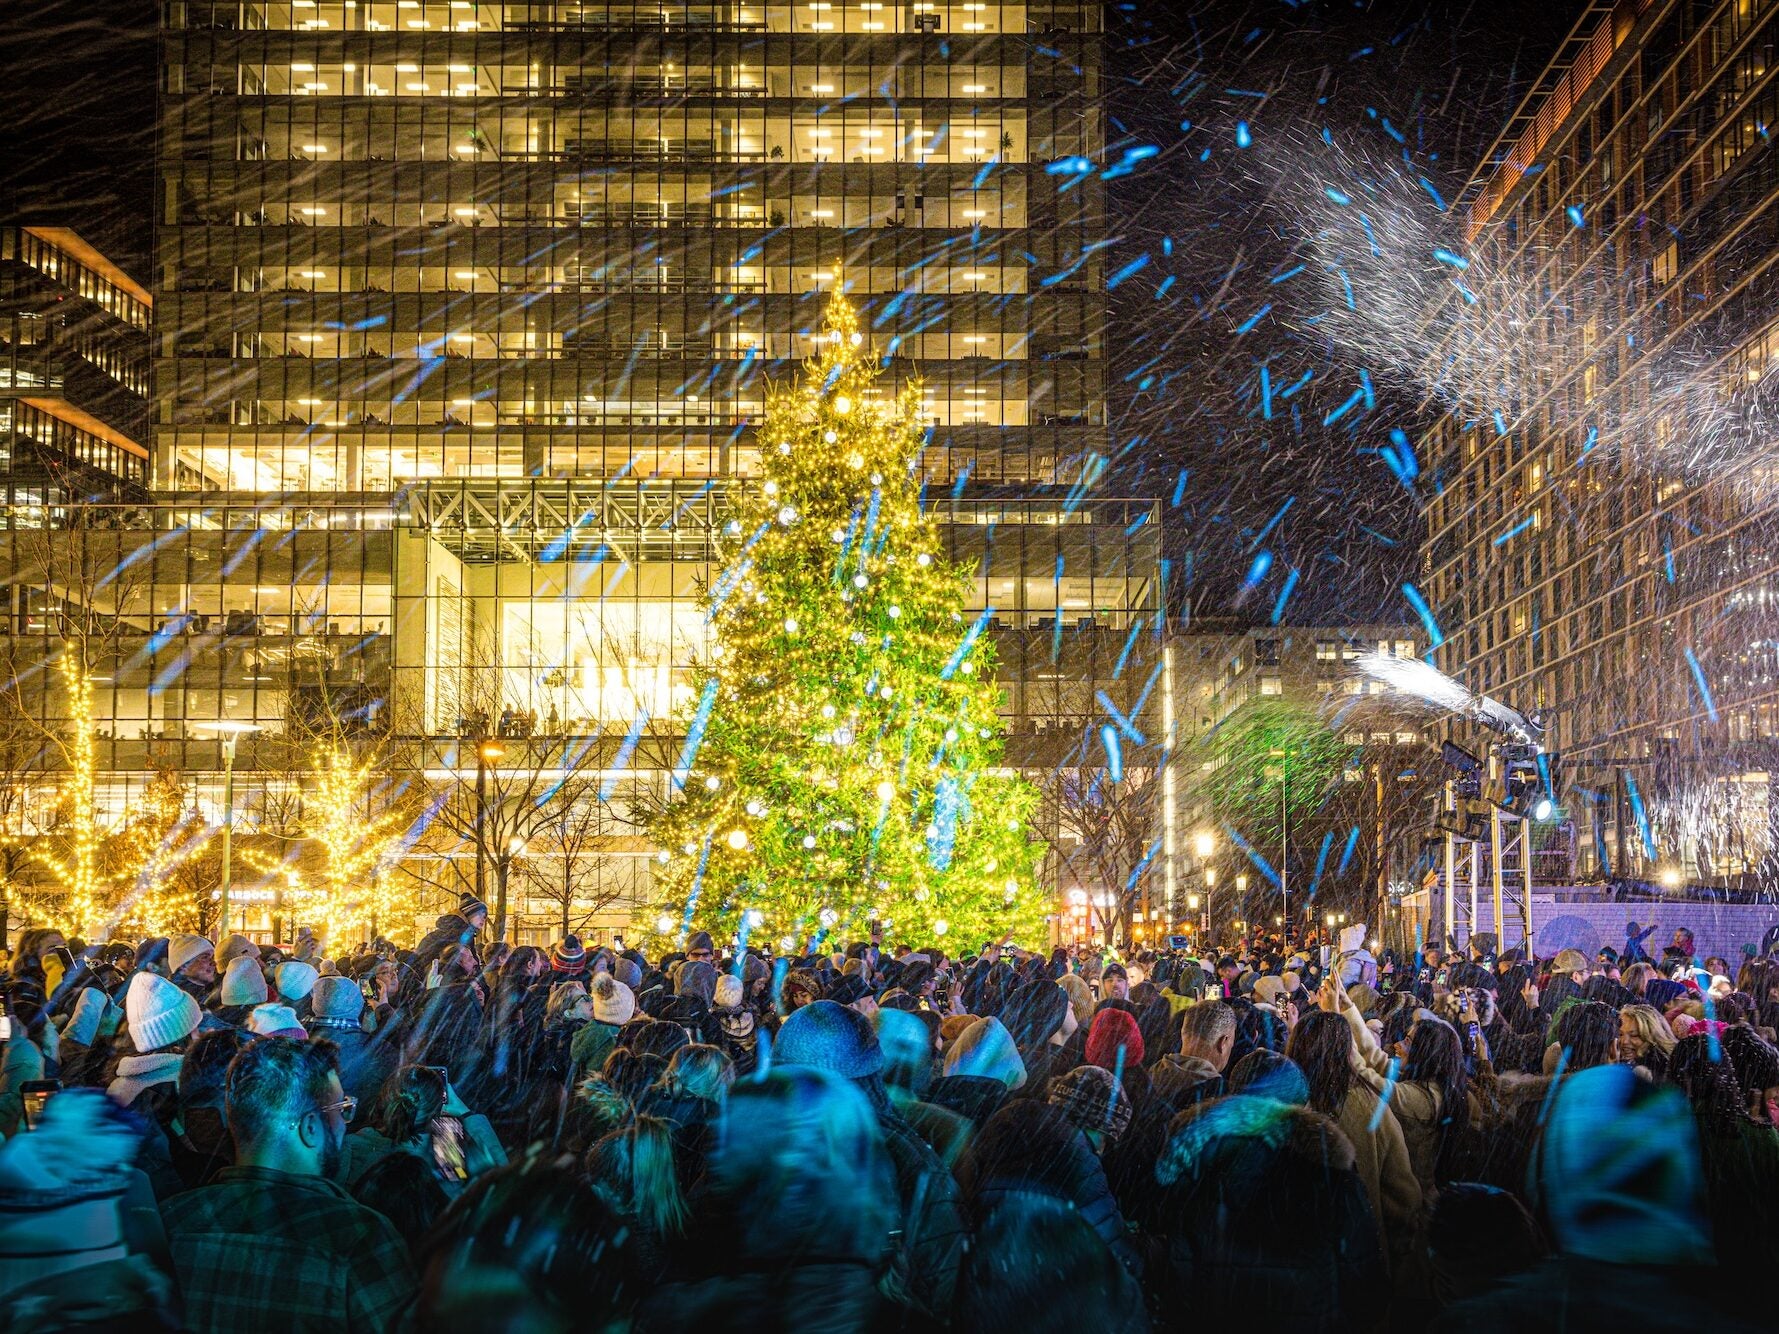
(551, 78)
(56, 264)
(23, 426)
(191, 461)
(467, 16)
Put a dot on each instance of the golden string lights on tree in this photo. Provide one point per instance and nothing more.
(843, 761)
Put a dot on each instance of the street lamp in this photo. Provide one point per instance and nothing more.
(1204, 844)
(487, 752)
(230, 730)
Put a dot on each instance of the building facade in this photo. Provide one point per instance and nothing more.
(1599, 548)
(74, 375)
(465, 319)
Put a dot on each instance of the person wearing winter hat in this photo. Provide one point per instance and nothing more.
(841, 1041)
(161, 1017)
(739, 1026)
(1114, 1041)
(336, 1012)
(614, 1005)
(1094, 1100)
(243, 986)
(191, 963)
(697, 977)
(295, 980)
(982, 1067)
(273, 1020)
(451, 930)
(700, 946)
(627, 971)
(234, 947)
(568, 958)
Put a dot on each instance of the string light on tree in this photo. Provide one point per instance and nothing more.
(857, 743)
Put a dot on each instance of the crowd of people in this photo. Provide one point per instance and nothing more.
(463, 1135)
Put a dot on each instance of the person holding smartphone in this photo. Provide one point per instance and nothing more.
(420, 1114)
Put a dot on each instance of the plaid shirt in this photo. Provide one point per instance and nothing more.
(266, 1251)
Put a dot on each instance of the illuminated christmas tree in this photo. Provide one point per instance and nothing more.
(843, 760)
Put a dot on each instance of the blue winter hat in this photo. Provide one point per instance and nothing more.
(829, 1037)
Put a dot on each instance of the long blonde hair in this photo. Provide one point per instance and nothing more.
(1651, 1027)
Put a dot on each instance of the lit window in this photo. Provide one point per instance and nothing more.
(1271, 685)
(975, 87)
(314, 148)
(975, 213)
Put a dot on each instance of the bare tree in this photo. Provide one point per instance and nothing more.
(1106, 833)
(568, 859)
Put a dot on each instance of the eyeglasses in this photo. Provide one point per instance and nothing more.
(699, 954)
(346, 1107)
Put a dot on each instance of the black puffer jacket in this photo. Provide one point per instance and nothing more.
(1263, 1220)
(450, 929)
(1031, 1148)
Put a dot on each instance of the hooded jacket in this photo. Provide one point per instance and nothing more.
(1263, 1221)
(450, 929)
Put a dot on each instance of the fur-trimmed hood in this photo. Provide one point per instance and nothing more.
(1222, 1132)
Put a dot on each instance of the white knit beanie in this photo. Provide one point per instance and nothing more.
(613, 1002)
(728, 992)
(158, 1012)
(244, 983)
(294, 979)
(275, 1021)
(181, 950)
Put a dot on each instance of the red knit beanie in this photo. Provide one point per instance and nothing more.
(1112, 1029)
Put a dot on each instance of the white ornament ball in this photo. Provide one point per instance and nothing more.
(923, 559)
(712, 783)
(856, 338)
(809, 840)
(895, 612)
(843, 405)
(790, 625)
(886, 791)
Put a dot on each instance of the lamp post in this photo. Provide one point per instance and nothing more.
(230, 731)
(487, 751)
(1204, 843)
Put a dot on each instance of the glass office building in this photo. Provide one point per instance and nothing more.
(465, 315)
(74, 371)
(1600, 548)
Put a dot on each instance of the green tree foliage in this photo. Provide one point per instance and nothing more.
(844, 757)
(1272, 763)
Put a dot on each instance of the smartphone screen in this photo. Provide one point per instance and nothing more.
(448, 1158)
(35, 1095)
